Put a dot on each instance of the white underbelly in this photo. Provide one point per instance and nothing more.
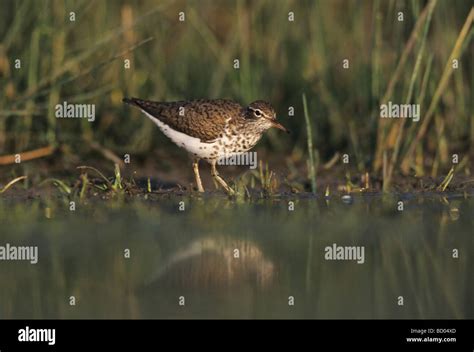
(193, 145)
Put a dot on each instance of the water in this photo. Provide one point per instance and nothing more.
(221, 259)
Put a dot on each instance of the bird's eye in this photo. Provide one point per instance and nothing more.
(258, 113)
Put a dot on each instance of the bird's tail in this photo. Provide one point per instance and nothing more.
(132, 101)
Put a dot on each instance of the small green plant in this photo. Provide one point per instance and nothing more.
(267, 179)
(447, 180)
(117, 185)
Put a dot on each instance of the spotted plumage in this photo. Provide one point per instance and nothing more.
(210, 129)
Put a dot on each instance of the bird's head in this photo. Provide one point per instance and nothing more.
(263, 113)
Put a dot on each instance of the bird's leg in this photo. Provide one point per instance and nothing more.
(219, 179)
(196, 174)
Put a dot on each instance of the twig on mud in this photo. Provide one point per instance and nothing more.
(25, 156)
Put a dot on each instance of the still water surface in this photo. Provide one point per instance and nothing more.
(219, 259)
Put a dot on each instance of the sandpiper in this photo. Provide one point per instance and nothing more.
(210, 129)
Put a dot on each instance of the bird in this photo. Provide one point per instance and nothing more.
(210, 129)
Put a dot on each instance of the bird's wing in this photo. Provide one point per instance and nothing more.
(203, 119)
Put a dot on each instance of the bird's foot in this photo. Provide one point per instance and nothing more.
(224, 185)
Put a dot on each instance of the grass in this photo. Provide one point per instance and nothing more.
(409, 96)
(448, 70)
(309, 136)
(11, 183)
(83, 62)
(442, 187)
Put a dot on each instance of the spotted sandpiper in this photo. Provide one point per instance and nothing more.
(210, 129)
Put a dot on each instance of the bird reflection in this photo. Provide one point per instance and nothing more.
(216, 262)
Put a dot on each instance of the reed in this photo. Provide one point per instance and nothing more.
(309, 139)
(83, 62)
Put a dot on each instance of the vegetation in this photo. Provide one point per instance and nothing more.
(389, 59)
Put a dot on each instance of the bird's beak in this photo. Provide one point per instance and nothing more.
(279, 126)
